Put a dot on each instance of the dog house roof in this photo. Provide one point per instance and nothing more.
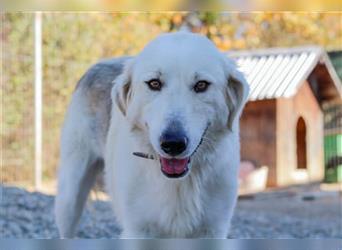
(279, 72)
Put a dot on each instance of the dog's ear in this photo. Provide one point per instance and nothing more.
(236, 92)
(121, 91)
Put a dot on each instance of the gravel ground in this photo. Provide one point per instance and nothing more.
(299, 212)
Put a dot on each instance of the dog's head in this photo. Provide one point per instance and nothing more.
(176, 90)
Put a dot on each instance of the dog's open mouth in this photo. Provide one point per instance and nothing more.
(174, 168)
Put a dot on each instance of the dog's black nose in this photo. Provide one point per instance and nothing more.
(173, 144)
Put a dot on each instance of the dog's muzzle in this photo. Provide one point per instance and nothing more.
(172, 167)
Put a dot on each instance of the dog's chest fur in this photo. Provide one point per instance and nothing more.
(177, 209)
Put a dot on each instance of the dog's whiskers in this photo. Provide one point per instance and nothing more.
(209, 142)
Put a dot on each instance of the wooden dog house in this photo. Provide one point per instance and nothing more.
(282, 124)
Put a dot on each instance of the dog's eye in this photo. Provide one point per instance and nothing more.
(201, 86)
(154, 84)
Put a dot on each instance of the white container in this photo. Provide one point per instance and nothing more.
(255, 181)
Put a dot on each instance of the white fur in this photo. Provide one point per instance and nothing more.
(146, 203)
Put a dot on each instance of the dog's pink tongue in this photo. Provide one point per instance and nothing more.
(174, 166)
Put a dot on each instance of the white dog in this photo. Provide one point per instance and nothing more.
(167, 129)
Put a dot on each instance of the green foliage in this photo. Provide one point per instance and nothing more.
(233, 30)
(17, 96)
(74, 41)
(336, 59)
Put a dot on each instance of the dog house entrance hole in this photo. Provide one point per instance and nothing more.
(301, 144)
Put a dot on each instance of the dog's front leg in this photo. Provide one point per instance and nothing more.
(218, 217)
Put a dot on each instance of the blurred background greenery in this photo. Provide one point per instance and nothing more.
(74, 41)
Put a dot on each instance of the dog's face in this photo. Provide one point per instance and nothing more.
(175, 90)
